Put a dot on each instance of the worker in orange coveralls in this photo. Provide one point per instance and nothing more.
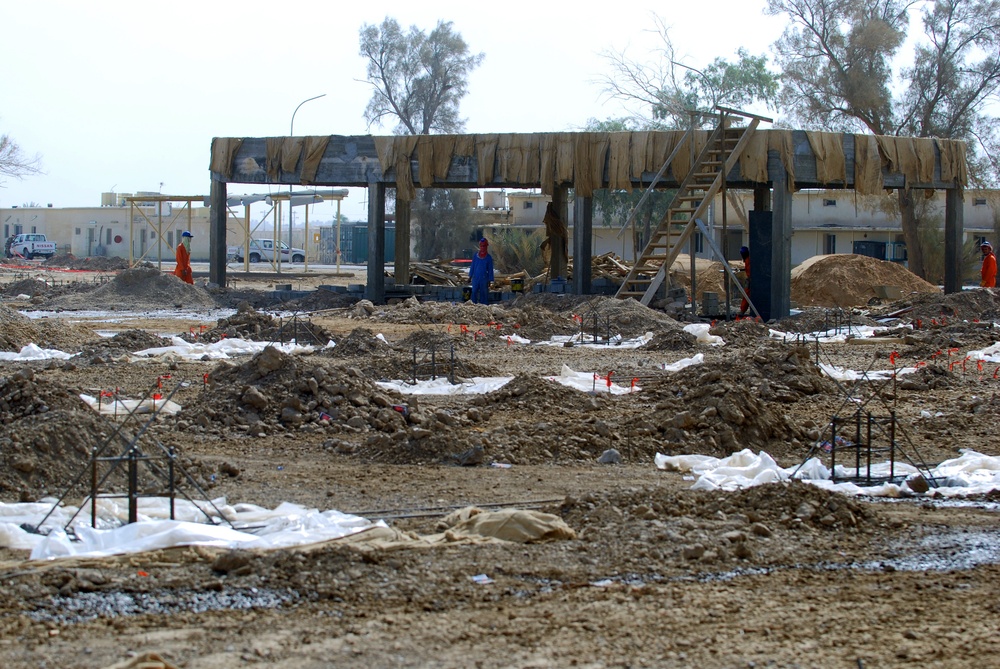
(745, 254)
(183, 269)
(989, 269)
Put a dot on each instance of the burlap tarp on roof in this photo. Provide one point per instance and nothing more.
(291, 151)
(315, 148)
(272, 150)
(619, 160)
(552, 159)
(867, 165)
(953, 166)
(486, 152)
(224, 150)
(753, 158)
(781, 141)
(831, 164)
(425, 161)
(924, 148)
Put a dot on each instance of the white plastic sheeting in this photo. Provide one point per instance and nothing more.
(477, 385)
(591, 341)
(591, 382)
(256, 527)
(841, 374)
(31, 352)
(110, 407)
(220, 350)
(683, 363)
(835, 335)
(971, 473)
(700, 331)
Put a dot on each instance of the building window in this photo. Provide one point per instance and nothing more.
(108, 242)
(829, 244)
(979, 202)
(6, 230)
(979, 241)
(529, 205)
(829, 202)
(170, 238)
(77, 230)
(699, 243)
(34, 229)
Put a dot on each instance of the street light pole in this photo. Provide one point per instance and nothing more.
(291, 215)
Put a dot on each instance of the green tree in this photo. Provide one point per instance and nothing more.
(666, 91)
(443, 221)
(418, 79)
(837, 60)
(13, 162)
(517, 249)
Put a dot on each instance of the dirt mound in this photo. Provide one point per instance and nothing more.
(672, 340)
(138, 289)
(816, 319)
(937, 339)
(413, 311)
(320, 300)
(791, 505)
(734, 404)
(17, 331)
(978, 304)
(253, 325)
(46, 433)
(30, 287)
(847, 280)
(361, 342)
(627, 318)
(95, 264)
(118, 347)
(744, 332)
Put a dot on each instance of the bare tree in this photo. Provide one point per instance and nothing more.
(13, 163)
(666, 91)
(837, 56)
(418, 79)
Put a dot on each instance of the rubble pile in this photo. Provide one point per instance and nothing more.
(139, 288)
(735, 404)
(971, 305)
(95, 264)
(744, 332)
(247, 323)
(849, 280)
(937, 339)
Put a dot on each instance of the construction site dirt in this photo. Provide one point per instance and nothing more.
(653, 573)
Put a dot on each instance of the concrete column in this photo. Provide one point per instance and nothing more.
(375, 290)
(583, 233)
(402, 258)
(557, 264)
(217, 234)
(781, 240)
(954, 224)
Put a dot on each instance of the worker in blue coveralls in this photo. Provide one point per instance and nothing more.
(481, 274)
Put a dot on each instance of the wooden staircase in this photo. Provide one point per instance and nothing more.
(694, 195)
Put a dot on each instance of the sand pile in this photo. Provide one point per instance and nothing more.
(140, 288)
(712, 279)
(737, 403)
(17, 331)
(845, 280)
(30, 287)
(413, 311)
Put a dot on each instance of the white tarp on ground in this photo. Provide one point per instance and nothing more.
(220, 350)
(591, 341)
(700, 331)
(591, 382)
(697, 359)
(113, 407)
(257, 527)
(989, 354)
(971, 473)
(834, 335)
(31, 352)
(477, 385)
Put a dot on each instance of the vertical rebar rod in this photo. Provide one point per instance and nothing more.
(133, 485)
(857, 444)
(414, 365)
(868, 474)
(451, 367)
(892, 445)
(170, 482)
(93, 488)
(433, 365)
(833, 449)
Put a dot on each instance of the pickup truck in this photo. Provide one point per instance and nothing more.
(29, 246)
(263, 249)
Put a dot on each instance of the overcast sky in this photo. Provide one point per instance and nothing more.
(126, 96)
